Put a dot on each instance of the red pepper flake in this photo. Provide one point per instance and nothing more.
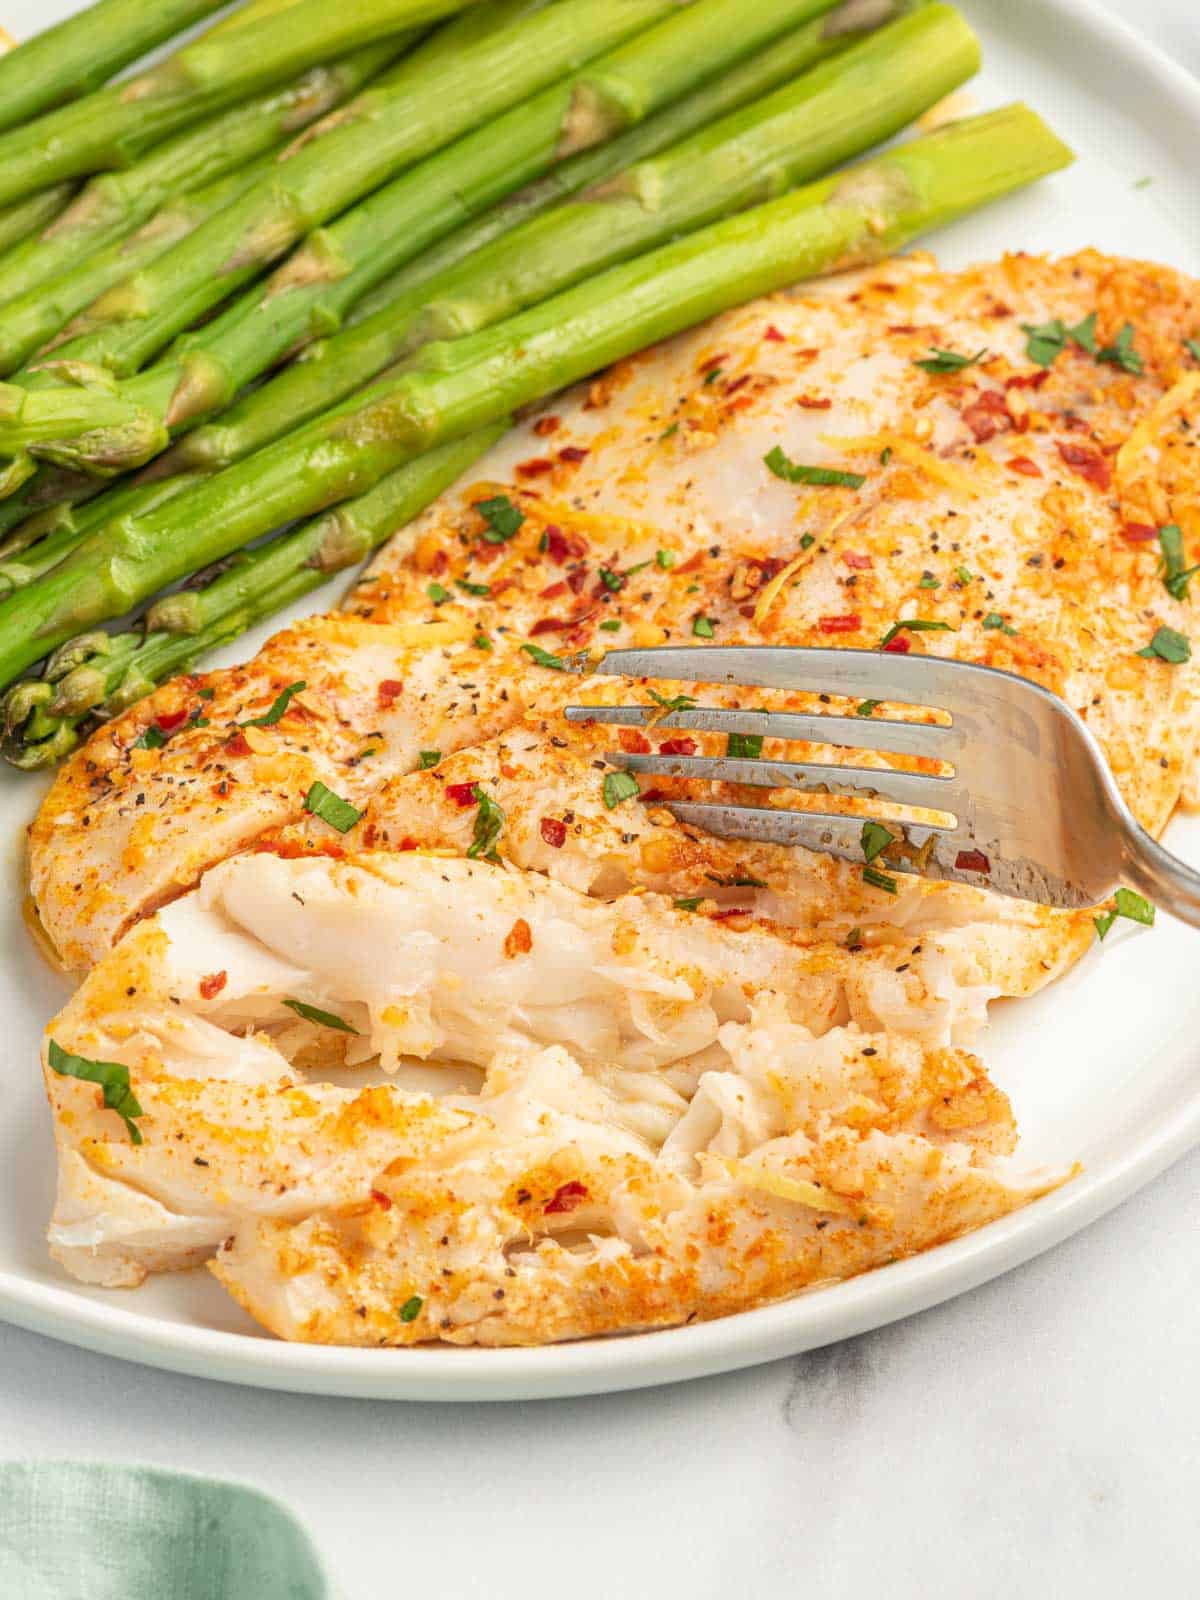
(237, 746)
(573, 454)
(1089, 464)
(633, 743)
(987, 415)
(518, 941)
(850, 623)
(714, 362)
(899, 646)
(567, 1197)
(738, 383)
(677, 747)
(1022, 464)
(773, 335)
(1139, 532)
(535, 467)
(858, 560)
(463, 794)
(554, 832)
(1028, 380)
(552, 625)
(553, 590)
(545, 426)
(576, 579)
(1075, 424)
(383, 1201)
(812, 402)
(390, 689)
(561, 547)
(972, 861)
(730, 911)
(211, 986)
(168, 721)
(652, 796)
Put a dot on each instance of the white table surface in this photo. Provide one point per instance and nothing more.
(1040, 1436)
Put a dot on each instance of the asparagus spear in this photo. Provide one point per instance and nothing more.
(31, 215)
(110, 126)
(102, 674)
(316, 287)
(333, 368)
(432, 97)
(453, 389)
(114, 204)
(80, 53)
(866, 93)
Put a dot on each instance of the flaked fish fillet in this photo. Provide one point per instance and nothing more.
(999, 499)
(626, 1118)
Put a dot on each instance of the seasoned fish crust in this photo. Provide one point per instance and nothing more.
(1038, 485)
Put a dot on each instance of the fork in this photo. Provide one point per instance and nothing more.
(1029, 808)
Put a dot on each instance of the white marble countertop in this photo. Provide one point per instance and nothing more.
(1038, 1436)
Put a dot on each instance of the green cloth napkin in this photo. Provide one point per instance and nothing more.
(78, 1530)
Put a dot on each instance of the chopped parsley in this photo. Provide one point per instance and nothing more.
(411, 1309)
(939, 360)
(665, 559)
(619, 787)
(1048, 340)
(153, 738)
(504, 520)
(915, 625)
(994, 620)
(480, 589)
(867, 708)
(702, 627)
(489, 825)
(880, 880)
(112, 1077)
(1168, 645)
(964, 575)
(928, 581)
(807, 541)
(794, 472)
(543, 658)
(611, 626)
(1121, 353)
(331, 808)
(875, 839)
(326, 1019)
(278, 707)
(482, 642)
(427, 759)
(712, 375)
(854, 939)
(437, 593)
(885, 455)
(1192, 346)
(744, 746)
(1128, 904)
(690, 903)
(675, 702)
(1176, 575)
(614, 582)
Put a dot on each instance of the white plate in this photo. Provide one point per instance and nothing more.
(1104, 1068)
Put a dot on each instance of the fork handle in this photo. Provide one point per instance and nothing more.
(1163, 878)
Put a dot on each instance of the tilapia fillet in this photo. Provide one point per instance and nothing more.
(662, 1075)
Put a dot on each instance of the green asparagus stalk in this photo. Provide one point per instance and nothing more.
(435, 95)
(31, 215)
(80, 53)
(109, 127)
(452, 389)
(866, 93)
(323, 280)
(103, 674)
(114, 204)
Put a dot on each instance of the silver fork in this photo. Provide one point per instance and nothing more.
(1035, 811)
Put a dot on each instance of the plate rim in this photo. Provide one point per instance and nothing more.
(667, 1355)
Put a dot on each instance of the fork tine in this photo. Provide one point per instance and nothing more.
(911, 680)
(821, 831)
(875, 783)
(854, 733)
